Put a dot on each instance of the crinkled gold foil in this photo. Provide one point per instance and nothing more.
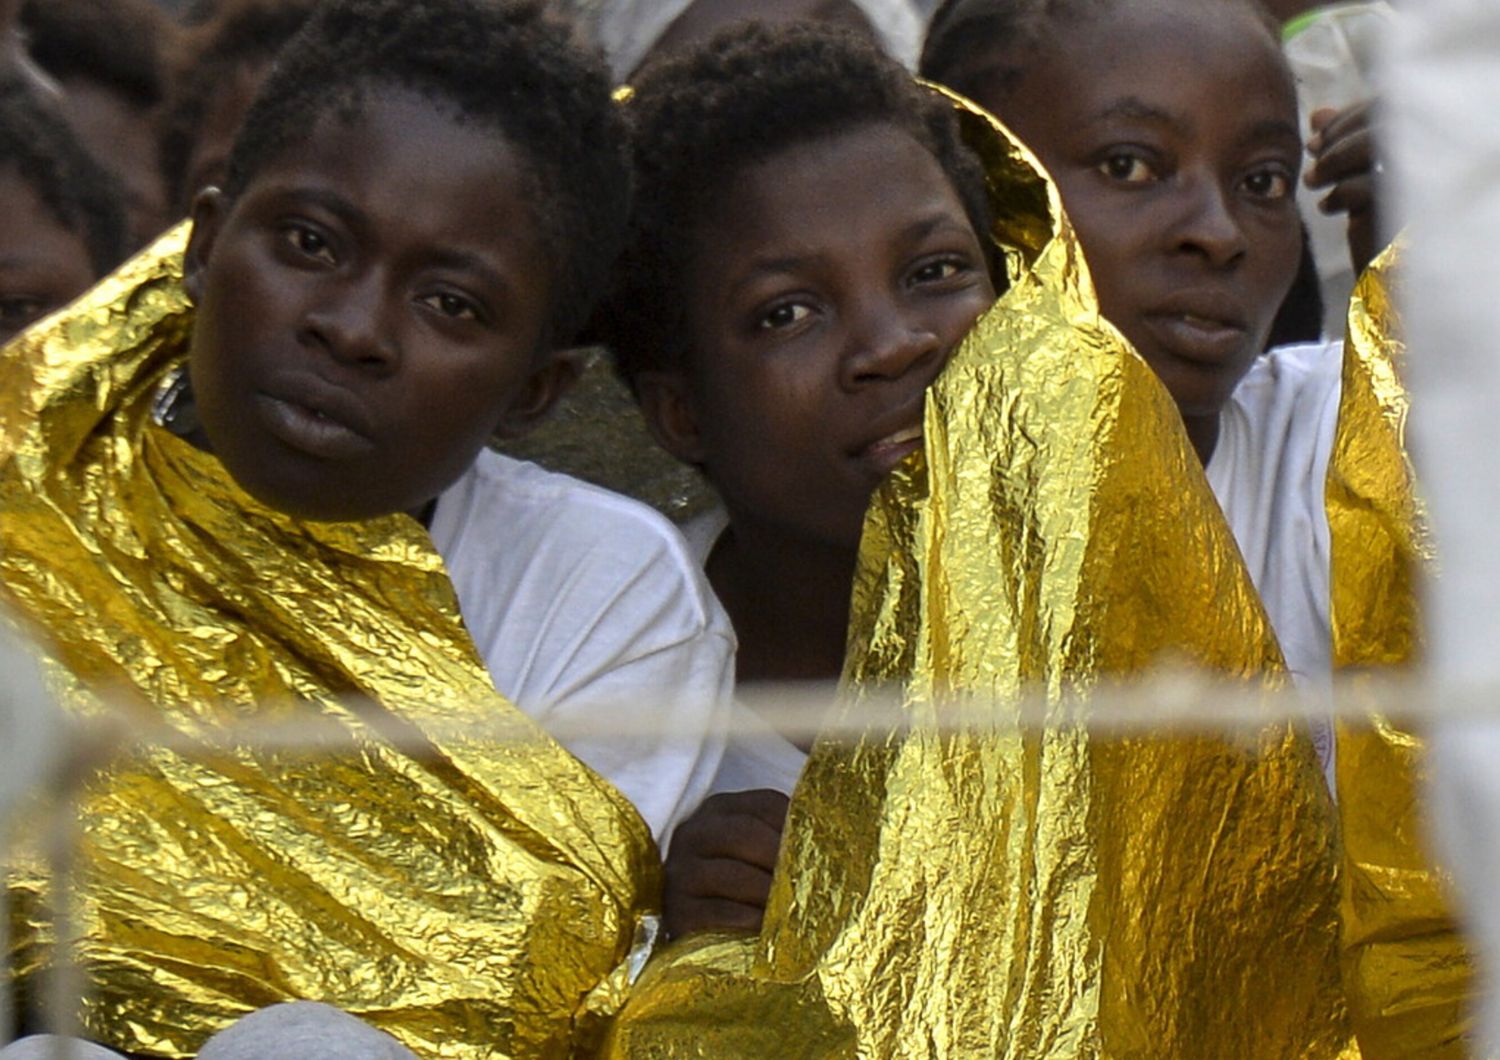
(442, 868)
(1409, 976)
(969, 885)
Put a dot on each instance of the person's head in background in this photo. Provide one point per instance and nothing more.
(630, 30)
(64, 214)
(808, 245)
(704, 19)
(1170, 127)
(422, 204)
(214, 73)
(106, 55)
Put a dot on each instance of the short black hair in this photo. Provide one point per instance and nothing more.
(237, 33)
(991, 39)
(79, 194)
(117, 43)
(750, 93)
(500, 64)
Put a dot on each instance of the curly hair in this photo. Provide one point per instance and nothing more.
(974, 42)
(118, 43)
(78, 193)
(503, 65)
(749, 94)
(239, 33)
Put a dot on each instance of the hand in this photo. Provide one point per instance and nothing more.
(719, 866)
(1345, 161)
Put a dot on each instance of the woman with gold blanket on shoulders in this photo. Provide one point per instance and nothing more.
(205, 466)
(984, 880)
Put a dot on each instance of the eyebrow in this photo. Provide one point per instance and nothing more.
(345, 211)
(463, 261)
(1133, 108)
(1272, 129)
(916, 231)
(328, 199)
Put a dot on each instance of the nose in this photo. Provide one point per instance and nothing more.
(1209, 227)
(887, 341)
(348, 322)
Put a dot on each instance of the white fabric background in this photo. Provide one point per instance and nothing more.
(1443, 90)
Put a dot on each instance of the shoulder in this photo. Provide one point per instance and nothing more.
(1289, 398)
(1302, 373)
(513, 524)
(702, 533)
(1276, 433)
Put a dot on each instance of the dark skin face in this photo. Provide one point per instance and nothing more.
(1172, 135)
(43, 266)
(366, 320)
(822, 304)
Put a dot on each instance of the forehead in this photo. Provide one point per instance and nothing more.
(413, 168)
(1205, 67)
(834, 191)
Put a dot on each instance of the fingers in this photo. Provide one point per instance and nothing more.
(709, 914)
(1349, 156)
(713, 894)
(1353, 196)
(1329, 124)
(719, 830)
(719, 866)
(763, 803)
(721, 878)
(1317, 119)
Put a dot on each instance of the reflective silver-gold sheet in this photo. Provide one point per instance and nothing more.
(430, 861)
(1409, 977)
(967, 884)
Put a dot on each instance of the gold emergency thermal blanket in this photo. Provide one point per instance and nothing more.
(1410, 978)
(430, 861)
(969, 884)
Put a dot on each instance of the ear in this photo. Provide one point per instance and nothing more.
(667, 403)
(541, 391)
(209, 209)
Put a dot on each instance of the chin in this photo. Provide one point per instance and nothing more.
(311, 502)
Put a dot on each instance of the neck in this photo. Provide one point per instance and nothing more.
(788, 599)
(1203, 433)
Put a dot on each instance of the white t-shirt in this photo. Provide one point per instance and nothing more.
(595, 620)
(1267, 471)
(757, 756)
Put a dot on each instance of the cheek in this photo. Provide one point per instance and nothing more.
(1115, 241)
(1280, 254)
(759, 422)
(453, 411)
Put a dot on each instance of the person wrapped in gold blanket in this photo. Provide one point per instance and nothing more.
(971, 881)
(222, 555)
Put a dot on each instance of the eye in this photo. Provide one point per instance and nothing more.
(1271, 183)
(785, 315)
(453, 306)
(940, 270)
(308, 242)
(1127, 167)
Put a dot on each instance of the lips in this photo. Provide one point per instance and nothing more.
(1205, 327)
(889, 450)
(316, 418)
